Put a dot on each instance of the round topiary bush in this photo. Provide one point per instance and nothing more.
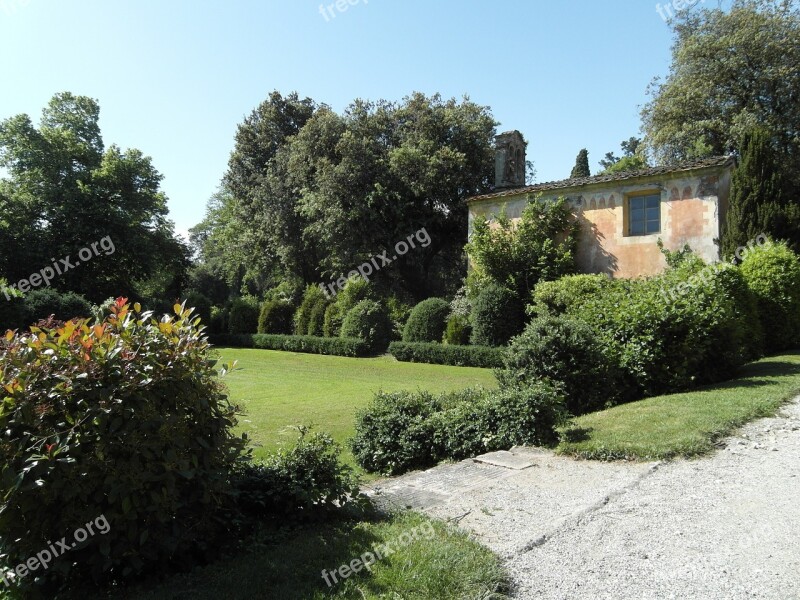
(276, 317)
(497, 316)
(122, 425)
(565, 352)
(40, 304)
(369, 320)
(244, 316)
(772, 273)
(427, 321)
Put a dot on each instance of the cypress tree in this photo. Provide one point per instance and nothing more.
(759, 202)
(581, 168)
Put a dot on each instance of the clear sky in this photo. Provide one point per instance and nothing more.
(175, 77)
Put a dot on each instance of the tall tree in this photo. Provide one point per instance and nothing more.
(730, 71)
(66, 191)
(343, 188)
(581, 168)
(632, 158)
(758, 202)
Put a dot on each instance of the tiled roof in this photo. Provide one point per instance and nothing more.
(703, 163)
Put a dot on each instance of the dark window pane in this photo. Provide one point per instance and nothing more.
(653, 201)
(637, 228)
(653, 214)
(653, 227)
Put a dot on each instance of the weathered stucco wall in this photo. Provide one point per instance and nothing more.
(691, 208)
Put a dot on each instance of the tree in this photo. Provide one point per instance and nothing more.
(66, 191)
(581, 168)
(632, 159)
(324, 192)
(730, 71)
(540, 246)
(758, 202)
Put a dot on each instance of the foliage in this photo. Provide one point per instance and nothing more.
(747, 60)
(124, 419)
(460, 305)
(244, 315)
(399, 311)
(298, 482)
(565, 352)
(561, 296)
(759, 200)
(458, 331)
(632, 158)
(427, 321)
(40, 304)
(369, 321)
(220, 319)
(316, 318)
(772, 273)
(446, 354)
(332, 322)
(65, 190)
(311, 296)
(402, 431)
(276, 317)
(201, 304)
(540, 246)
(337, 346)
(354, 291)
(303, 178)
(581, 168)
(12, 309)
(497, 316)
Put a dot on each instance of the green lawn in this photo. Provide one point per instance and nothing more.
(281, 389)
(686, 424)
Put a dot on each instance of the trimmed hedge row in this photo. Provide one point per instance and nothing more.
(308, 344)
(441, 354)
(402, 431)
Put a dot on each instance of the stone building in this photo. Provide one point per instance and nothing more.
(622, 215)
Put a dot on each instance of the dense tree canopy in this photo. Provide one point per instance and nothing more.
(581, 168)
(730, 71)
(631, 160)
(311, 194)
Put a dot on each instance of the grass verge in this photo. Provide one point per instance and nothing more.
(441, 563)
(688, 424)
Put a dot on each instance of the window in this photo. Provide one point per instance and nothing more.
(644, 214)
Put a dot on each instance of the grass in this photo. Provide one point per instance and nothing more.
(440, 564)
(279, 390)
(688, 424)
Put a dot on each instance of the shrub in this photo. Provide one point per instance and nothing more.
(12, 308)
(298, 482)
(276, 317)
(295, 343)
(565, 352)
(402, 431)
(399, 313)
(201, 305)
(332, 323)
(441, 354)
(458, 331)
(312, 295)
(40, 304)
(219, 320)
(125, 419)
(369, 320)
(244, 315)
(427, 321)
(316, 320)
(497, 316)
(772, 273)
(565, 294)
(355, 290)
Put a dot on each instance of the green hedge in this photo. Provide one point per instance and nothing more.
(402, 431)
(295, 343)
(441, 354)
(427, 321)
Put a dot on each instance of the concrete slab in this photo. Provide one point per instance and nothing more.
(506, 459)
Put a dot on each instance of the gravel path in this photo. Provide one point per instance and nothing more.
(724, 527)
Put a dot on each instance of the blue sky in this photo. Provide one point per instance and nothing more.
(175, 78)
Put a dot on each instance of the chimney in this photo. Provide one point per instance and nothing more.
(509, 161)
